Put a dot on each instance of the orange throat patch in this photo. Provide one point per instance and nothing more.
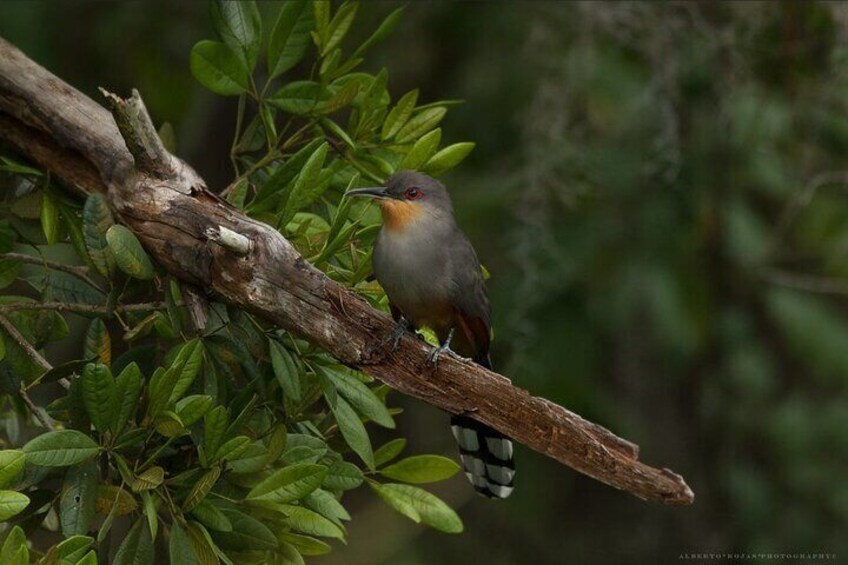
(397, 214)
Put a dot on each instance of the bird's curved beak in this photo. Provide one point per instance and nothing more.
(370, 192)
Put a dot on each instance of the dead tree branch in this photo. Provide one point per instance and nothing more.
(202, 240)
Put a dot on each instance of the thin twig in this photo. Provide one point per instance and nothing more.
(22, 341)
(265, 160)
(80, 308)
(809, 283)
(36, 410)
(239, 120)
(30, 350)
(76, 270)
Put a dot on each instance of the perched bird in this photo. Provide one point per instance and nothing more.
(433, 278)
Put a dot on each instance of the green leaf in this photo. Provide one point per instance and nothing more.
(11, 504)
(310, 522)
(289, 483)
(276, 444)
(126, 394)
(321, 9)
(231, 449)
(137, 547)
(61, 448)
(115, 501)
(169, 424)
(180, 549)
(168, 386)
(301, 97)
(253, 459)
(327, 505)
(419, 505)
(10, 166)
(359, 395)
(14, 550)
(203, 546)
(380, 33)
(11, 465)
(218, 68)
(421, 469)
(353, 431)
(201, 488)
(343, 476)
(239, 25)
(73, 223)
(420, 124)
(97, 219)
(448, 158)
(98, 343)
(98, 389)
(71, 549)
(285, 370)
(89, 559)
(148, 479)
(9, 269)
(129, 255)
(248, 533)
(339, 99)
(187, 365)
(215, 424)
(389, 451)
(305, 545)
(212, 517)
(290, 37)
(307, 186)
(421, 151)
(339, 25)
(272, 192)
(78, 505)
(50, 219)
(150, 513)
(142, 328)
(399, 115)
(108, 502)
(192, 408)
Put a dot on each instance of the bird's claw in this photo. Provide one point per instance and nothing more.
(396, 334)
(433, 357)
(394, 338)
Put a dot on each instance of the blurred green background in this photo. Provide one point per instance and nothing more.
(659, 193)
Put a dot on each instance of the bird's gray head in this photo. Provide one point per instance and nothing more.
(408, 197)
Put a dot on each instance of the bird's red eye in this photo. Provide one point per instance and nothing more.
(413, 193)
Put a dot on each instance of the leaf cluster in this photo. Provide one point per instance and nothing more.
(235, 442)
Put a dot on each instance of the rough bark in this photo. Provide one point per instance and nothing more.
(202, 240)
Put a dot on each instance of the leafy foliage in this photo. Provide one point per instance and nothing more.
(234, 442)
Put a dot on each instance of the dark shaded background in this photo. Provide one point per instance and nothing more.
(659, 194)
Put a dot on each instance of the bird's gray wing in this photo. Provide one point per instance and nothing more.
(468, 295)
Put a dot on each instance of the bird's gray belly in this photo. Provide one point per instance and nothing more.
(415, 277)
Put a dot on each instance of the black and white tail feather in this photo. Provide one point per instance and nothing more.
(485, 452)
(486, 457)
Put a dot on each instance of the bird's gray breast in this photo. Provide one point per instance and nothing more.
(413, 268)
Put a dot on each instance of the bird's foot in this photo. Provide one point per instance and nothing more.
(433, 357)
(397, 333)
(393, 338)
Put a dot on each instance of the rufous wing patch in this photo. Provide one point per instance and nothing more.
(475, 331)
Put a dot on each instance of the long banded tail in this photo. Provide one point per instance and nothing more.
(486, 457)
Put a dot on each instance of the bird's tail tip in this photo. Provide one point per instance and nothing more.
(486, 456)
